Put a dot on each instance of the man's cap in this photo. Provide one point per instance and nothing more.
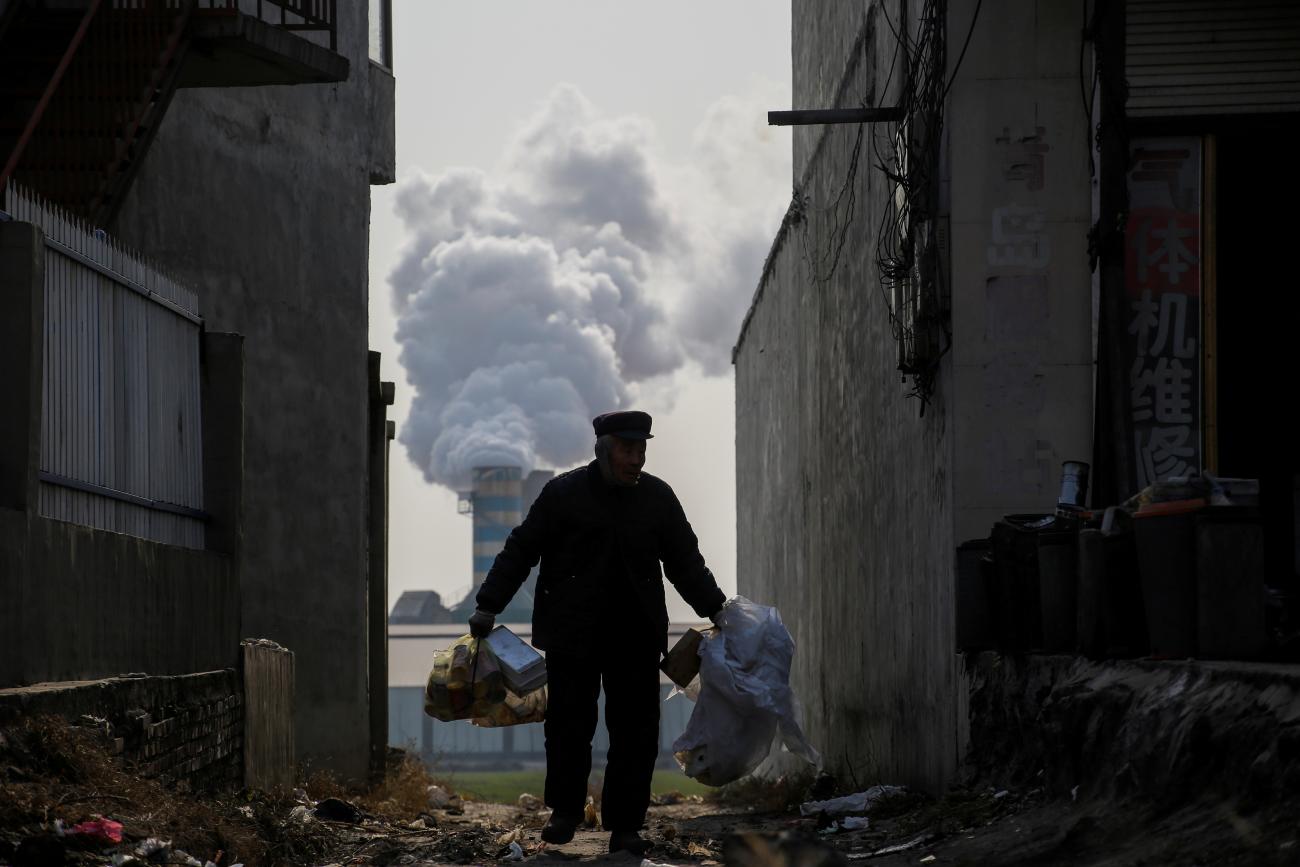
(629, 424)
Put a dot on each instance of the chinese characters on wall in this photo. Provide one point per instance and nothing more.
(1163, 291)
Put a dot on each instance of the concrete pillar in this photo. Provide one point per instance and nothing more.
(22, 340)
(223, 440)
(381, 397)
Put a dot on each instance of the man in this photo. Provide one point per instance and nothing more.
(601, 532)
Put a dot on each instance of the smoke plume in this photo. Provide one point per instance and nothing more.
(584, 267)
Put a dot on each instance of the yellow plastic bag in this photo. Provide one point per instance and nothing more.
(465, 682)
(516, 710)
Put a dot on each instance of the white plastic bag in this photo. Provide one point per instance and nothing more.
(745, 700)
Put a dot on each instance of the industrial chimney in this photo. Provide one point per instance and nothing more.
(497, 500)
(497, 503)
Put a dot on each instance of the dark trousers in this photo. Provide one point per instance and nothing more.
(631, 681)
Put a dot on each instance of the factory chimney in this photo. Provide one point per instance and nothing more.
(497, 500)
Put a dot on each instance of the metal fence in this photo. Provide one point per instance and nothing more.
(121, 438)
(308, 16)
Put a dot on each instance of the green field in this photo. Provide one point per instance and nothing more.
(505, 787)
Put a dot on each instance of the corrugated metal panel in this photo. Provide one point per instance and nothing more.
(1212, 57)
(121, 387)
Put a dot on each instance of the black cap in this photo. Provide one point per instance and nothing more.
(630, 425)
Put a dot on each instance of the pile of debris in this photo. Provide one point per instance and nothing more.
(64, 799)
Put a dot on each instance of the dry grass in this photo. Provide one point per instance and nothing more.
(50, 770)
(403, 793)
(784, 793)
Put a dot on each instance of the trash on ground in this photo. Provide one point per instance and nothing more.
(529, 802)
(860, 802)
(524, 669)
(101, 830)
(465, 682)
(516, 853)
(510, 837)
(667, 799)
(338, 810)
(589, 813)
(903, 847)
(928, 859)
(300, 813)
(441, 799)
(745, 699)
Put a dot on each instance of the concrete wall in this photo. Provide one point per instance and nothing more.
(259, 198)
(849, 503)
(82, 603)
(844, 503)
(1021, 288)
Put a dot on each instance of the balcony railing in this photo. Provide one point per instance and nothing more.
(319, 16)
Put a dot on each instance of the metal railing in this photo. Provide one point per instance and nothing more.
(121, 432)
(320, 16)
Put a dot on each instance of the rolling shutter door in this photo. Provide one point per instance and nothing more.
(1210, 57)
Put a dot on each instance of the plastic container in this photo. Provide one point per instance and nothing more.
(1110, 614)
(1230, 583)
(1016, 599)
(974, 620)
(1166, 544)
(1058, 594)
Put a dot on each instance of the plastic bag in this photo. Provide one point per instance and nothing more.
(745, 702)
(465, 682)
(516, 710)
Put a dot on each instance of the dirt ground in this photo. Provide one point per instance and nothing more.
(53, 777)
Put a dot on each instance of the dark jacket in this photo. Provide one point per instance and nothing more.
(600, 547)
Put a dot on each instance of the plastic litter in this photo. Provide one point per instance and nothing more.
(301, 813)
(104, 831)
(441, 799)
(338, 810)
(529, 802)
(860, 802)
(516, 710)
(516, 853)
(466, 681)
(745, 699)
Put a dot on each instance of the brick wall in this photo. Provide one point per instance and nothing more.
(186, 729)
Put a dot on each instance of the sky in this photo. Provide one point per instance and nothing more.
(585, 194)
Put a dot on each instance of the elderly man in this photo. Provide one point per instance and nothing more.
(601, 532)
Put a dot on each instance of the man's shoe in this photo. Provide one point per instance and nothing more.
(629, 841)
(561, 827)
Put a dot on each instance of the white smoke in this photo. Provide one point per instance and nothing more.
(534, 298)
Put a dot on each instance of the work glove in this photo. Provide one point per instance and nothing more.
(481, 622)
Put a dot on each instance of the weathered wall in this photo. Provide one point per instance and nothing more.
(269, 758)
(186, 729)
(259, 198)
(849, 504)
(83, 603)
(843, 489)
(94, 603)
(1021, 290)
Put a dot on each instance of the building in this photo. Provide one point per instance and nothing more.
(1037, 253)
(244, 174)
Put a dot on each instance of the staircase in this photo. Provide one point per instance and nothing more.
(83, 88)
